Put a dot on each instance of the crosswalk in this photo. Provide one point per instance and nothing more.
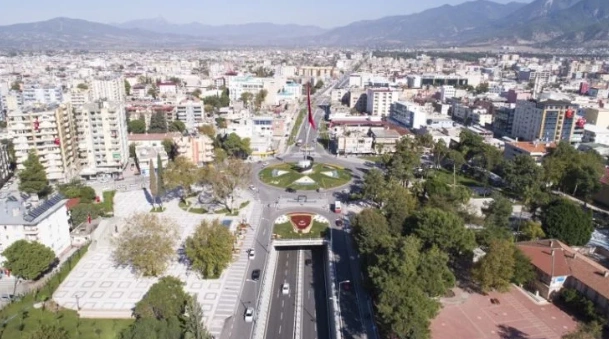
(227, 304)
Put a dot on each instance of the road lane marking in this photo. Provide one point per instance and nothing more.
(281, 316)
(279, 329)
(282, 303)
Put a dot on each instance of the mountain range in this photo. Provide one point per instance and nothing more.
(553, 23)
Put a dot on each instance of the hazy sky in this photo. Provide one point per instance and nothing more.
(324, 13)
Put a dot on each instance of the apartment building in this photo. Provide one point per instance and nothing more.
(41, 94)
(316, 72)
(44, 222)
(146, 154)
(103, 146)
(447, 92)
(191, 112)
(5, 166)
(408, 114)
(238, 85)
(596, 116)
(50, 131)
(79, 97)
(549, 120)
(595, 134)
(339, 94)
(378, 101)
(504, 120)
(108, 88)
(358, 99)
(198, 148)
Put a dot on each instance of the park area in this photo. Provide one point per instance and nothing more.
(321, 176)
(514, 316)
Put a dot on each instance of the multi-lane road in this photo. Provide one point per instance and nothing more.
(282, 314)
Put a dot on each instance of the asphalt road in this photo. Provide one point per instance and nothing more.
(315, 299)
(283, 307)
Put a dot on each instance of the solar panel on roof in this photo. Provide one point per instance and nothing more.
(39, 210)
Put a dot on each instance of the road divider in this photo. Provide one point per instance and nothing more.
(298, 316)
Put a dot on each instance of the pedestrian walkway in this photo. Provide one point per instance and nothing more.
(235, 276)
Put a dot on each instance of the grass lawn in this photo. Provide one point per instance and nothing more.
(371, 158)
(157, 210)
(286, 231)
(288, 179)
(447, 177)
(108, 203)
(21, 318)
(296, 126)
(196, 210)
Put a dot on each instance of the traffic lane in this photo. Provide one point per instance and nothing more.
(351, 319)
(315, 297)
(251, 289)
(282, 312)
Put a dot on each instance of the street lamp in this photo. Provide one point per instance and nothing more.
(340, 316)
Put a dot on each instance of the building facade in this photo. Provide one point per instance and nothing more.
(191, 112)
(199, 149)
(378, 101)
(102, 137)
(108, 88)
(41, 94)
(549, 120)
(50, 131)
(408, 114)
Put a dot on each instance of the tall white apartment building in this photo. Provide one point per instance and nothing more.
(191, 112)
(79, 97)
(408, 114)
(239, 84)
(379, 100)
(108, 88)
(447, 92)
(103, 146)
(46, 222)
(50, 131)
(41, 94)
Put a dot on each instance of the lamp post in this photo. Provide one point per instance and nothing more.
(340, 315)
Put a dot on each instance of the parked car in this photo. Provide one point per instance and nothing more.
(251, 253)
(249, 315)
(256, 275)
(290, 190)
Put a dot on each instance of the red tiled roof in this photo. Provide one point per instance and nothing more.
(72, 202)
(605, 177)
(540, 253)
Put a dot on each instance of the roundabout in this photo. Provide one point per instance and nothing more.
(298, 177)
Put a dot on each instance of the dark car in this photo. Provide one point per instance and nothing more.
(339, 222)
(308, 262)
(256, 275)
(290, 190)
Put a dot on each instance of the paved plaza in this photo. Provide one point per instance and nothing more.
(98, 288)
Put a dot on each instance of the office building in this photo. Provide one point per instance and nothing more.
(191, 112)
(45, 222)
(102, 138)
(50, 131)
(108, 88)
(408, 114)
(546, 121)
(504, 120)
(378, 101)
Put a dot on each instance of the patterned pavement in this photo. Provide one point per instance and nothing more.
(97, 285)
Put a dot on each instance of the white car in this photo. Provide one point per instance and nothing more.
(285, 289)
(265, 164)
(251, 253)
(249, 315)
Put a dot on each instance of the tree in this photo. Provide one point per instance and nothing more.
(160, 180)
(443, 229)
(260, 97)
(137, 126)
(225, 177)
(76, 189)
(370, 230)
(567, 222)
(439, 152)
(374, 187)
(496, 269)
(208, 130)
(400, 205)
(319, 84)
(524, 272)
(522, 175)
(246, 98)
(132, 150)
(152, 92)
(28, 260)
(482, 88)
(177, 126)
(33, 177)
(498, 211)
(457, 160)
(181, 172)
(49, 332)
(433, 272)
(127, 88)
(82, 86)
(210, 249)
(81, 212)
(170, 147)
(592, 330)
(147, 243)
(16, 86)
(196, 93)
(532, 230)
(424, 140)
(164, 300)
(154, 188)
(158, 123)
(406, 158)
(194, 327)
(235, 146)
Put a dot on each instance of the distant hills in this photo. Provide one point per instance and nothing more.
(553, 23)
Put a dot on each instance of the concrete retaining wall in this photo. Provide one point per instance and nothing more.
(333, 316)
(264, 302)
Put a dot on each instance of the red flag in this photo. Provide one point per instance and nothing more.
(89, 218)
(311, 121)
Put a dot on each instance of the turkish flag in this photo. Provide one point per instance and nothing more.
(311, 121)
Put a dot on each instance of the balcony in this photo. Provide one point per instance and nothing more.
(30, 230)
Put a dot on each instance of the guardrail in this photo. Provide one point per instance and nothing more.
(298, 317)
(299, 242)
(264, 302)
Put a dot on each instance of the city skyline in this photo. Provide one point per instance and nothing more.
(319, 13)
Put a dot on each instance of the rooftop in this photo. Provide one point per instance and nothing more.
(533, 147)
(20, 209)
(153, 136)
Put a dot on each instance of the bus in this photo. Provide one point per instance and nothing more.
(337, 207)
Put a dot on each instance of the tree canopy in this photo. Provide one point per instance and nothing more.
(165, 299)
(234, 145)
(33, 177)
(147, 243)
(182, 172)
(210, 249)
(28, 260)
(225, 177)
(49, 332)
(137, 126)
(158, 123)
(177, 126)
(444, 229)
(568, 222)
(496, 269)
